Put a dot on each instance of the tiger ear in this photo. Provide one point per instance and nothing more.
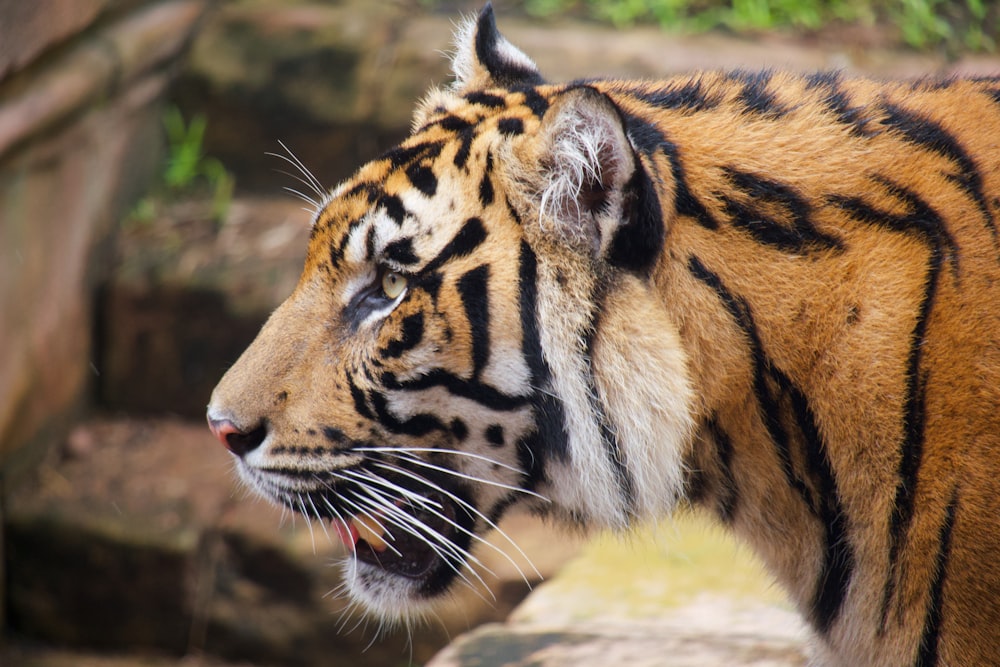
(485, 59)
(591, 186)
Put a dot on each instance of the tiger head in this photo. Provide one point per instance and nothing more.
(476, 327)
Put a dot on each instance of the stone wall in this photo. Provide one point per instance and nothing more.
(80, 96)
(81, 85)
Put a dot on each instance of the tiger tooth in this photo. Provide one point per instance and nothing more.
(371, 532)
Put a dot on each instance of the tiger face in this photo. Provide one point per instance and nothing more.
(403, 392)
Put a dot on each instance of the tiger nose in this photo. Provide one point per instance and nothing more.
(238, 442)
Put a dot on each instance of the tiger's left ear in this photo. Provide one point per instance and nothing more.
(485, 59)
(589, 185)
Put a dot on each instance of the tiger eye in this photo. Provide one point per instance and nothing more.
(393, 284)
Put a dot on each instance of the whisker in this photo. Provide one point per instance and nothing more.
(307, 199)
(468, 507)
(444, 546)
(302, 506)
(361, 510)
(322, 521)
(438, 450)
(471, 478)
(309, 180)
(367, 477)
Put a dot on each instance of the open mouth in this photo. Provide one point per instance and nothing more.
(407, 539)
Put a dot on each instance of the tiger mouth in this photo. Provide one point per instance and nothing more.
(412, 547)
(422, 536)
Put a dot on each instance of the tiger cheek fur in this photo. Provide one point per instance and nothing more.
(772, 296)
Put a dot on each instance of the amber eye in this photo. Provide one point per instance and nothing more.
(393, 284)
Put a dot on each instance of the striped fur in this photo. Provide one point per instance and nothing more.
(772, 296)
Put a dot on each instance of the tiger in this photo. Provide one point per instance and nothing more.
(772, 297)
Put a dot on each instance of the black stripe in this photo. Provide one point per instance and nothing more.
(800, 237)
(412, 332)
(370, 244)
(649, 140)
(930, 638)
(537, 104)
(465, 137)
(503, 72)
(334, 435)
(458, 429)
(485, 99)
(685, 203)
(486, 190)
(337, 253)
(727, 491)
(468, 238)
(430, 283)
(400, 251)
(531, 346)
(687, 96)
(495, 435)
(755, 95)
(422, 178)
(394, 208)
(401, 156)
(360, 404)
(855, 117)
(549, 415)
(638, 243)
(473, 290)
(510, 127)
(645, 136)
(417, 425)
(838, 555)
(922, 221)
(609, 438)
(453, 124)
(484, 394)
(931, 136)
(768, 402)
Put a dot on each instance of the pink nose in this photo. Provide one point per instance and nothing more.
(238, 442)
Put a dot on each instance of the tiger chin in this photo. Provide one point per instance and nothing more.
(774, 297)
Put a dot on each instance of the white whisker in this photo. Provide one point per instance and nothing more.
(319, 518)
(367, 477)
(468, 507)
(444, 547)
(305, 513)
(307, 199)
(310, 179)
(438, 450)
(471, 478)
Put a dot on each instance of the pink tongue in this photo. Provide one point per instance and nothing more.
(347, 533)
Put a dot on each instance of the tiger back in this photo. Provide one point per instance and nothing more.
(772, 296)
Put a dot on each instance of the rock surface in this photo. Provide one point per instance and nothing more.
(682, 594)
(79, 132)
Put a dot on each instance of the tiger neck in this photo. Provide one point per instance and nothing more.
(626, 433)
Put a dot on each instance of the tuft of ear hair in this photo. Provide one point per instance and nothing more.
(485, 59)
(591, 186)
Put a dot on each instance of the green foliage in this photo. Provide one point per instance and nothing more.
(957, 25)
(187, 171)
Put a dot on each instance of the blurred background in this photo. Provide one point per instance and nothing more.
(146, 231)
